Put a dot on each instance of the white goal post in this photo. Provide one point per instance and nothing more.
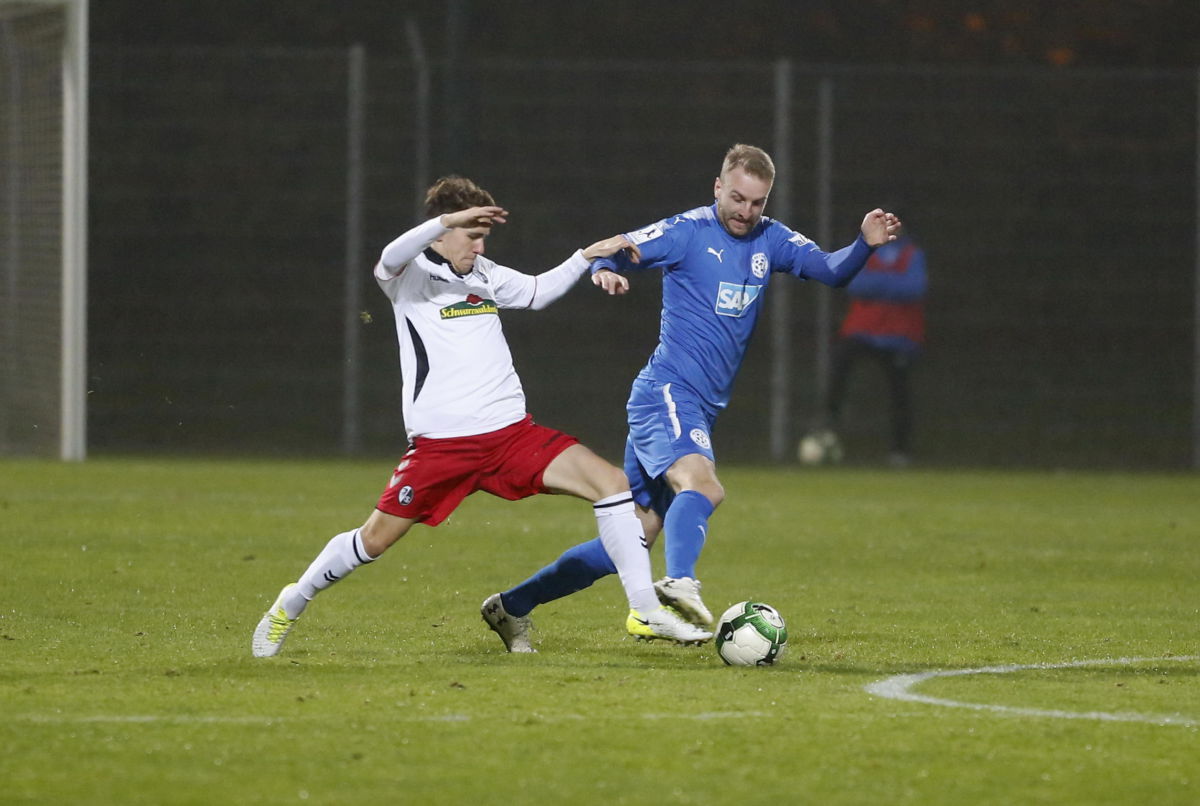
(43, 218)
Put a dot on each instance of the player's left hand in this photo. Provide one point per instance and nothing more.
(611, 282)
(879, 227)
(610, 246)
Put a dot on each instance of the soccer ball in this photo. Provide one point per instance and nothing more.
(819, 448)
(751, 634)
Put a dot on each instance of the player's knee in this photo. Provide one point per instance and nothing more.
(379, 533)
(610, 481)
(713, 491)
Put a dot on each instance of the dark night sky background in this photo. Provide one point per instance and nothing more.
(1133, 33)
(193, 147)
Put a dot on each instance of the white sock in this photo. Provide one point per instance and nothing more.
(622, 537)
(341, 555)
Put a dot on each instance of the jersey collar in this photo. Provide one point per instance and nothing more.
(438, 260)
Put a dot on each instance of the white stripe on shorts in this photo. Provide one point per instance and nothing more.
(671, 410)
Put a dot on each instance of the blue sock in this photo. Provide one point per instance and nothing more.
(684, 529)
(577, 568)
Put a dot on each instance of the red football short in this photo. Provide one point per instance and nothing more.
(435, 475)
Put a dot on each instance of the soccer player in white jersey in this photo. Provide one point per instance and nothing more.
(716, 263)
(464, 412)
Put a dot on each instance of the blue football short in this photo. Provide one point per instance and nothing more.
(666, 423)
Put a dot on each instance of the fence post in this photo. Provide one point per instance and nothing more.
(416, 50)
(824, 190)
(1196, 304)
(355, 120)
(781, 414)
(73, 406)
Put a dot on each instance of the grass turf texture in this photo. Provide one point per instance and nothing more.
(131, 589)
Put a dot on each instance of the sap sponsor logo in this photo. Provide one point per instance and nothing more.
(700, 438)
(405, 496)
(645, 234)
(735, 300)
(759, 264)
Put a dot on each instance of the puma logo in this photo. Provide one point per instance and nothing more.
(717, 254)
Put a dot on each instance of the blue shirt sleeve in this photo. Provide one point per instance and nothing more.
(660, 244)
(798, 255)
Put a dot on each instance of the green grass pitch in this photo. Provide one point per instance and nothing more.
(131, 589)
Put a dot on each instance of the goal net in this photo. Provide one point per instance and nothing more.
(43, 191)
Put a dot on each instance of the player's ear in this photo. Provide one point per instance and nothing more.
(717, 187)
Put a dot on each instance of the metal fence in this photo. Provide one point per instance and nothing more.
(1057, 209)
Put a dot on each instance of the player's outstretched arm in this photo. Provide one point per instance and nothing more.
(879, 227)
(548, 286)
(610, 246)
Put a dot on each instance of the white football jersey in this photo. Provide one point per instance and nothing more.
(458, 372)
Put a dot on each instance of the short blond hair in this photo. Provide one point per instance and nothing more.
(751, 159)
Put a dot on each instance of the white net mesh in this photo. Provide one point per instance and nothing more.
(31, 221)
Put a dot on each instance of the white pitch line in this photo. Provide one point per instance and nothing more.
(60, 719)
(900, 687)
(197, 719)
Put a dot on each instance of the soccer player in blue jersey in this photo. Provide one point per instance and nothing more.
(716, 263)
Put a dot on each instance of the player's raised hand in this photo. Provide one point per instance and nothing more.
(610, 282)
(879, 227)
(610, 246)
(475, 217)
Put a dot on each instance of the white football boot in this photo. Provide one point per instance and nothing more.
(513, 631)
(272, 628)
(666, 624)
(683, 594)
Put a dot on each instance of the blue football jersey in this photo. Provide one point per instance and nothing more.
(713, 289)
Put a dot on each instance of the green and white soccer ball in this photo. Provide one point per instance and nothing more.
(819, 448)
(751, 634)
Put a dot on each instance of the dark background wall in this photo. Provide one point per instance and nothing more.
(1108, 33)
(1045, 157)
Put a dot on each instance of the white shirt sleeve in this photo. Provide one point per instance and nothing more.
(517, 290)
(400, 252)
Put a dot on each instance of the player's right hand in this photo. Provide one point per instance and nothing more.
(611, 282)
(475, 217)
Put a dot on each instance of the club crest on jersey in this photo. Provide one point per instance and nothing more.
(759, 264)
(700, 438)
(405, 496)
(473, 305)
(734, 299)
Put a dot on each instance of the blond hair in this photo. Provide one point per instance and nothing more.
(751, 159)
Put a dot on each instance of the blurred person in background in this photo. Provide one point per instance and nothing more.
(884, 323)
